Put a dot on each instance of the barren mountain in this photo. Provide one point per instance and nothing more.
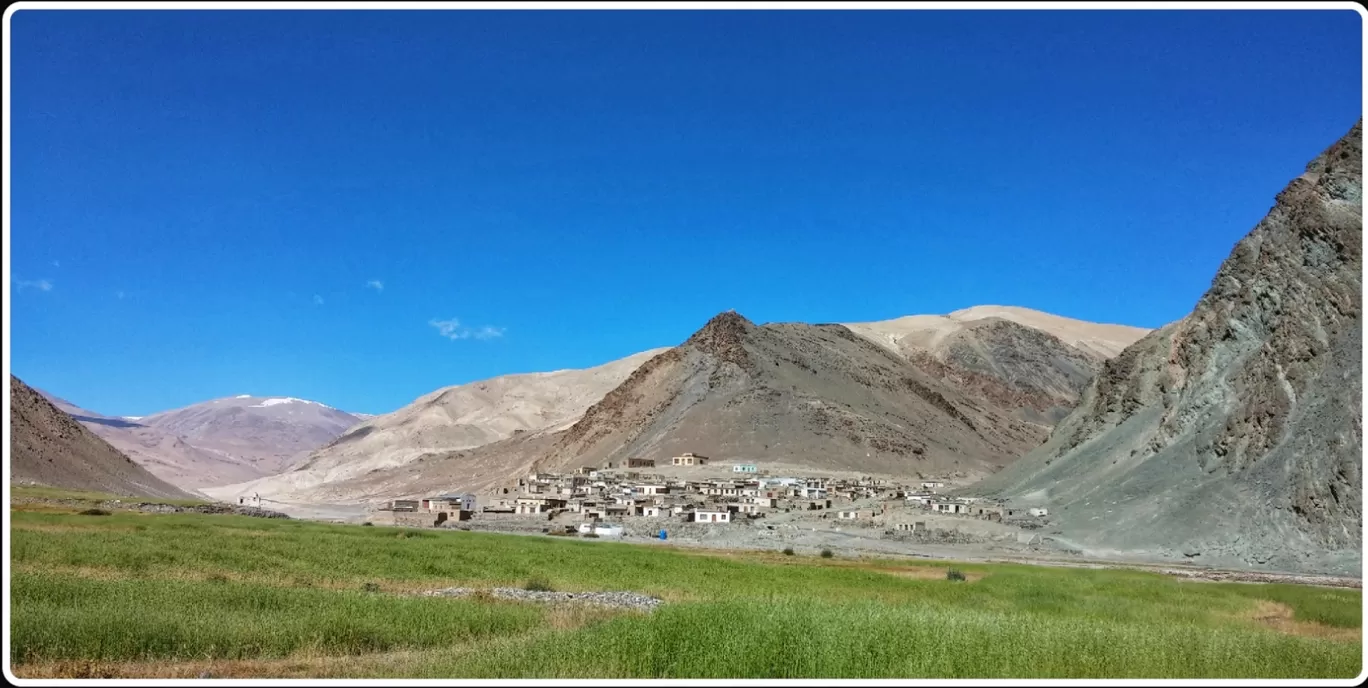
(450, 420)
(1233, 436)
(816, 395)
(1046, 360)
(163, 454)
(48, 447)
(926, 332)
(983, 392)
(268, 433)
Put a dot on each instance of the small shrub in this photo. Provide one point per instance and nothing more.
(788, 551)
(371, 587)
(95, 512)
(954, 575)
(591, 534)
(538, 585)
(367, 523)
(217, 578)
(826, 554)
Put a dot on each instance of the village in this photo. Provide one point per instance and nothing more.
(633, 494)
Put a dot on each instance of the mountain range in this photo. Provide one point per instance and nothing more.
(1232, 436)
(217, 442)
(966, 393)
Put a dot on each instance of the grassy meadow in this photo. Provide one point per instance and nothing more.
(164, 595)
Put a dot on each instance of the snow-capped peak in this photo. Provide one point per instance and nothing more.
(132, 417)
(243, 396)
(273, 401)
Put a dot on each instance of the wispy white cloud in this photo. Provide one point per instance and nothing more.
(453, 329)
(119, 294)
(318, 300)
(56, 263)
(376, 285)
(40, 285)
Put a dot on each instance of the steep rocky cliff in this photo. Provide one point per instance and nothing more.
(1233, 436)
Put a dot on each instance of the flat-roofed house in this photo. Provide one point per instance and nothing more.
(689, 459)
(711, 515)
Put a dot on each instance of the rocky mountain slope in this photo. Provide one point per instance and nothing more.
(449, 421)
(1044, 360)
(1232, 437)
(269, 434)
(165, 455)
(801, 394)
(48, 447)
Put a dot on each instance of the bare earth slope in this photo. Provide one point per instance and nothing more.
(802, 394)
(1044, 356)
(1232, 437)
(48, 447)
(163, 454)
(268, 433)
(441, 425)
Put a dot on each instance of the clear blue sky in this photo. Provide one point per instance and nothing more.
(208, 194)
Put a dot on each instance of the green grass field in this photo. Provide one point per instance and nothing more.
(20, 492)
(160, 595)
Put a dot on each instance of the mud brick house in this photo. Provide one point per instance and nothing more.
(689, 459)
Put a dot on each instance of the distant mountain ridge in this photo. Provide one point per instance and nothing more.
(218, 442)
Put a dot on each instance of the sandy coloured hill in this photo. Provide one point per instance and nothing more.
(1047, 359)
(48, 447)
(1232, 437)
(929, 332)
(449, 420)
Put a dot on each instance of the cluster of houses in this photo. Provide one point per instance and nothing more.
(630, 490)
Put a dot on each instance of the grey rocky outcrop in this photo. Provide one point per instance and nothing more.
(1232, 437)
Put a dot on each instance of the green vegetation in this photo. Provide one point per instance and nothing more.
(159, 595)
(21, 492)
(788, 551)
(94, 512)
(826, 554)
(954, 575)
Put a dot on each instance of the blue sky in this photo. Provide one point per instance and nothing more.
(206, 195)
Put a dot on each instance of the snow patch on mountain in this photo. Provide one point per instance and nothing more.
(274, 401)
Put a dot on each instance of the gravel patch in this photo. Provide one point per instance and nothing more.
(621, 600)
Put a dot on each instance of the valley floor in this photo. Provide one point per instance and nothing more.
(137, 594)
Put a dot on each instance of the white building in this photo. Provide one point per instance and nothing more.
(744, 468)
(711, 516)
(1038, 511)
